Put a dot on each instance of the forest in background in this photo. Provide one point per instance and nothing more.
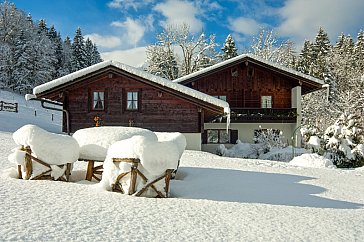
(31, 53)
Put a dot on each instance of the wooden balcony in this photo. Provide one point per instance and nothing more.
(260, 115)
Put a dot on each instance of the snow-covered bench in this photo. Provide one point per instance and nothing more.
(94, 143)
(43, 155)
(140, 166)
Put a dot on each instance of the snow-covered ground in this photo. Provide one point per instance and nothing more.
(213, 198)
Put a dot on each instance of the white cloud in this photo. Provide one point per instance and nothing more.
(134, 57)
(244, 25)
(126, 4)
(178, 12)
(107, 41)
(302, 18)
(134, 30)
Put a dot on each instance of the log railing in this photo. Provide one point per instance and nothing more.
(9, 107)
(252, 115)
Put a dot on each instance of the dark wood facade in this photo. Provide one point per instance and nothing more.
(159, 108)
(243, 84)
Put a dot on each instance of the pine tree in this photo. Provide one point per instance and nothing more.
(66, 57)
(57, 45)
(96, 57)
(23, 66)
(320, 50)
(359, 50)
(305, 58)
(229, 49)
(89, 49)
(79, 59)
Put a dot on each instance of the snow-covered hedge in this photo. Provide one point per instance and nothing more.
(255, 151)
(341, 142)
(94, 142)
(53, 149)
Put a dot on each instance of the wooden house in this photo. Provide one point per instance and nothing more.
(261, 95)
(114, 94)
(258, 93)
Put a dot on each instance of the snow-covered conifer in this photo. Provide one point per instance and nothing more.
(229, 49)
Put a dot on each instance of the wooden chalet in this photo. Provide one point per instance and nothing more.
(114, 94)
(261, 94)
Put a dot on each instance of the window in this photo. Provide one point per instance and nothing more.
(98, 102)
(132, 101)
(218, 136)
(221, 97)
(266, 101)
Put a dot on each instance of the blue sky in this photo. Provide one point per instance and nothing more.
(122, 28)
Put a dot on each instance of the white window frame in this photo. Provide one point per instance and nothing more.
(266, 101)
(133, 100)
(98, 96)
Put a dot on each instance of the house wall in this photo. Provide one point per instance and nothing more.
(159, 111)
(193, 141)
(246, 132)
(243, 85)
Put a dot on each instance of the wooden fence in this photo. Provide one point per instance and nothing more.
(9, 107)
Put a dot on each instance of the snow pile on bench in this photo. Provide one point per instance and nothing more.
(53, 149)
(95, 141)
(155, 158)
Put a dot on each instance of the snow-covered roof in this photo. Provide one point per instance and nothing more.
(253, 57)
(137, 72)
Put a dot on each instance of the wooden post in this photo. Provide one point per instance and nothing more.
(20, 176)
(90, 170)
(28, 163)
(167, 180)
(68, 171)
(133, 177)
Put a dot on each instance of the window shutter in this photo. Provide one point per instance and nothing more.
(204, 137)
(234, 136)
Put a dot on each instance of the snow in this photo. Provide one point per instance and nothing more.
(314, 143)
(53, 149)
(29, 112)
(255, 151)
(213, 198)
(95, 141)
(176, 137)
(140, 73)
(312, 160)
(255, 58)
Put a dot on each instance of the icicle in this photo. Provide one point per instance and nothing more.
(227, 111)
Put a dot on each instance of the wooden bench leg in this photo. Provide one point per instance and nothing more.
(90, 170)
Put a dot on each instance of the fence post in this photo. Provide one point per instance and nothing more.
(16, 107)
(1, 105)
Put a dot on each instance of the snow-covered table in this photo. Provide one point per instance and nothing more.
(140, 166)
(94, 143)
(43, 155)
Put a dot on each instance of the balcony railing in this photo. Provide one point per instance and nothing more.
(254, 115)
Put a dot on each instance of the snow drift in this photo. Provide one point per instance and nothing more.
(312, 160)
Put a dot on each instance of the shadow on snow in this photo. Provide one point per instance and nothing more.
(251, 187)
